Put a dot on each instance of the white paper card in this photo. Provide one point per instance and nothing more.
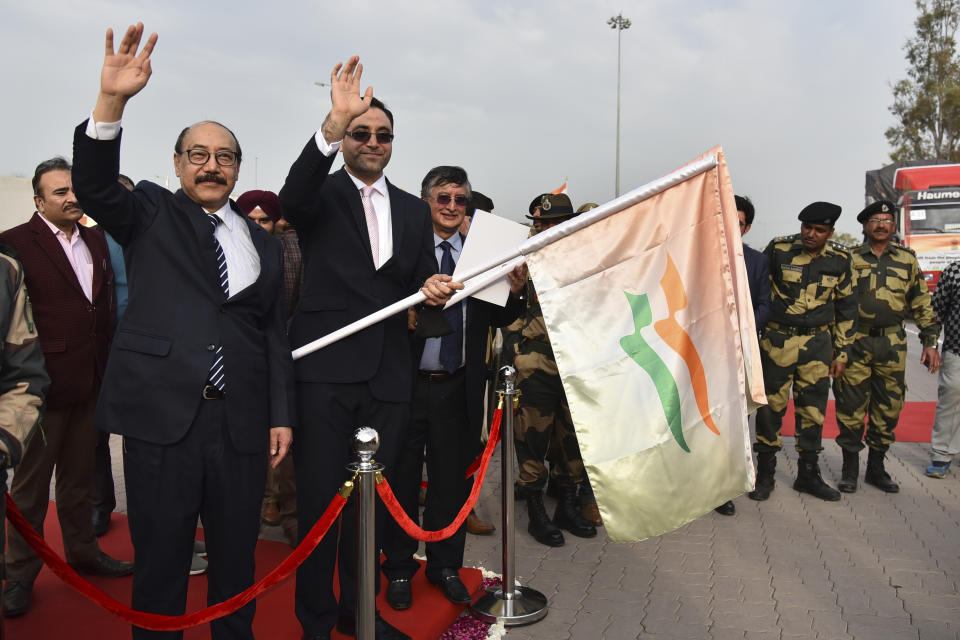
(490, 236)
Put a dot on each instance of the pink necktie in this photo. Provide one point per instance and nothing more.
(372, 227)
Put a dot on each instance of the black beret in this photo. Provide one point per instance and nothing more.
(820, 212)
(880, 206)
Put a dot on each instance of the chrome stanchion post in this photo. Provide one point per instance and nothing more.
(365, 443)
(510, 604)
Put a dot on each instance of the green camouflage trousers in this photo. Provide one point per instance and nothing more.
(543, 426)
(873, 385)
(802, 362)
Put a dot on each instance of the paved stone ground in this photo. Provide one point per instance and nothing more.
(870, 567)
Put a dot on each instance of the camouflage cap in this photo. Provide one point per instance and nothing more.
(586, 206)
(820, 212)
(553, 206)
(880, 206)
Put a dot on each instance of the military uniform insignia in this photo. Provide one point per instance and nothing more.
(545, 204)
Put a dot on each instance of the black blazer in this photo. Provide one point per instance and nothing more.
(177, 313)
(340, 284)
(481, 316)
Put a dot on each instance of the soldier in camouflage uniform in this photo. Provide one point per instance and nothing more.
(889, 288)
(23, 379)
(805, 343)
(543, 419)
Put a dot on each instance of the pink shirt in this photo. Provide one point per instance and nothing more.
(78, 255)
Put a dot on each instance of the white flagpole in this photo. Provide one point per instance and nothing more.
(500, 263)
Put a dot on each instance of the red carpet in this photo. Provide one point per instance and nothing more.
(916, 421)
(59, 612)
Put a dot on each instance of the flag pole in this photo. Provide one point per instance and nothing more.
(538, 241)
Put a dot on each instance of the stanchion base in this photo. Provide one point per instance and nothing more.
(525, 607)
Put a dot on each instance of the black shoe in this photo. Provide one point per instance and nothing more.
(103, 565)
(567, 515)
(540, 527)
(101, 522)
(399, 595)
(726, 509)
(877, 475)
(850, 472)
(452, 586)
(383, 630)
(810, 481)
(766, 466)
(16, 598)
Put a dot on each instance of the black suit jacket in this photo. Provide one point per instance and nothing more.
(177, 313)
(758, 275)
(340, 284)
(481, 316)
(74, 332)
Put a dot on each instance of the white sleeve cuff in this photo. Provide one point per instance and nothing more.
(102, 130)
(325, 147)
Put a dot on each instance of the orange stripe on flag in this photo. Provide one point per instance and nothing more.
(677, 339)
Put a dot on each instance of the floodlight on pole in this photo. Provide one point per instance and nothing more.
(619, 23)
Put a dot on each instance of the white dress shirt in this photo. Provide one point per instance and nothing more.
(380, 199)
(78, 255)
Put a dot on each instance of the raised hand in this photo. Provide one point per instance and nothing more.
(345, 98)
(125, 72)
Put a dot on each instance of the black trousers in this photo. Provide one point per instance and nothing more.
(103, 497)
(168, 487)
(440, 424)
(328, 414)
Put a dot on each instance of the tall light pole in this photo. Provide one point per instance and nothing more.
(619, 23)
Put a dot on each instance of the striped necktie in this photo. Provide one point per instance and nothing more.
(216, 376)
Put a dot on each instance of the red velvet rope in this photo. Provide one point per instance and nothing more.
(472, 469)
(158, 622)
(411, 527)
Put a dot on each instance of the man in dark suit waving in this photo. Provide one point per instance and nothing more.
(200, 366)
(366, 244)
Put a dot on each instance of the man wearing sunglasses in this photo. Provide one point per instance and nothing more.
(447, 409)
(199, 381)
(890, 288)
(366, 244)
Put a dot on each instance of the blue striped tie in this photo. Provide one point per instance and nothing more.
(217, 378)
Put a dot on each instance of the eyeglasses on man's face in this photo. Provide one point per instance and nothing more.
(383, 137)
(444, 199)
(223, 158)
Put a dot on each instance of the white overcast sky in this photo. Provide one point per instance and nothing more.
(521, 94)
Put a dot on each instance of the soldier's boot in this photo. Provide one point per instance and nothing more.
(766, 466)
(810, 481)
(568, 516)
(877, 475)
(851, 471)
(540, 526)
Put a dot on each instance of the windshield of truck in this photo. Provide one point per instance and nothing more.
(935, 219)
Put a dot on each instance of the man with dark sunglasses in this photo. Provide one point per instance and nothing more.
(447, 409)
(366, 244)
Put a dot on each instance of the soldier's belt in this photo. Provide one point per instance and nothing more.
(879, 331)
(797, 331)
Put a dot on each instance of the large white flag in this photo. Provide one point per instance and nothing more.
(649, 315)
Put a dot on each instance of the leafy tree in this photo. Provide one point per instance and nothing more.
(844, 238)
(926, 104)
